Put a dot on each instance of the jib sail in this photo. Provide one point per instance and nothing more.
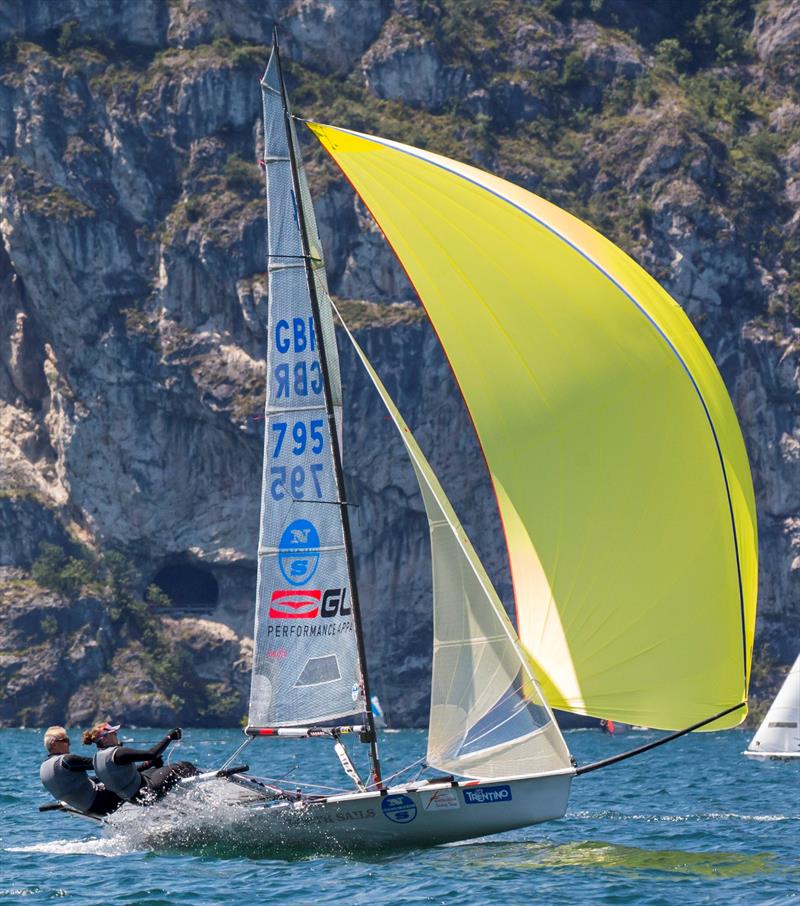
(488, 718)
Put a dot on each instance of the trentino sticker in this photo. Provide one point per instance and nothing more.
(487, 794)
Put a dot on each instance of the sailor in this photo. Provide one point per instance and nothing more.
(64, 777)
(116, 765)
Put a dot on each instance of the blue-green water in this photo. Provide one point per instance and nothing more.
(693, 822)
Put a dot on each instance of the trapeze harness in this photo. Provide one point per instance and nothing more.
(116, 767)
(65, 778)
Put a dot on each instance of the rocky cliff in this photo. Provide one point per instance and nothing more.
(132, 298)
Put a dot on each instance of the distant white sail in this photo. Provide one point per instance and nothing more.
(305, 665)
(779, 733)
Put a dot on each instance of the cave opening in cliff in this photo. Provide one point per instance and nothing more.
(189, 587)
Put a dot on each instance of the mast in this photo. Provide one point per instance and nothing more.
(370, 735)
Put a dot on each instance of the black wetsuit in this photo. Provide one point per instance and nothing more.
(156, 779)
(65, 778)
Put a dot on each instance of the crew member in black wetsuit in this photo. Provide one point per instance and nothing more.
(116, 766)
(64, 777)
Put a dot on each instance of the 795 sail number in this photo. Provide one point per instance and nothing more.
(301, 438)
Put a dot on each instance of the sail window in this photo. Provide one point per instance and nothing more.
(512, 717)
(191, 589)
(319, 670)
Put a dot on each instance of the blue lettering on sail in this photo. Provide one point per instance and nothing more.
(298, 380)
(297, 337)
(282, 381)
(282, 343)
(298, 552)
(316, 381)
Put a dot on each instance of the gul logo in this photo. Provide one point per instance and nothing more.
(304, 603)
(294, 605)
(486, 794)
(400, 809)
(334, 603)
(298, 551)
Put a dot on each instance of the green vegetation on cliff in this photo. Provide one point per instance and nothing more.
(138, 642)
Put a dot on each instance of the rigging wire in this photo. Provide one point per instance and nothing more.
(230, 760)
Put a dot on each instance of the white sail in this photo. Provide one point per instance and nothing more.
(488, 718)
(305, 664)
(779, 733)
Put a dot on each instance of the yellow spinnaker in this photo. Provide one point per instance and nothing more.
(618, 463)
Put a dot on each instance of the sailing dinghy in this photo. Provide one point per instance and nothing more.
(778, 737)
(621, 480)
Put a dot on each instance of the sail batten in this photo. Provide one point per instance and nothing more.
(623, 488)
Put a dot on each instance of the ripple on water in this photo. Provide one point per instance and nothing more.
(698, 825)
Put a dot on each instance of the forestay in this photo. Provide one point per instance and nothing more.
(488, 718)
(779, 732)
(616, 457)
(305, 664)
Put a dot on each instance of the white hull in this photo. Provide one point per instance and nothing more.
(415, 815)
(772, 756)
(422, 814)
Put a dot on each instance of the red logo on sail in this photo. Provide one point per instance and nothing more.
(297, 604)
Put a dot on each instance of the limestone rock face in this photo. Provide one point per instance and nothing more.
(24, 525)
(332, 35)
(143, 23)
(133, 297)
(409, 68)
(777, 30)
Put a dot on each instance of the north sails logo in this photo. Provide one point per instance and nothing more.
(298, 552)
(488, 794)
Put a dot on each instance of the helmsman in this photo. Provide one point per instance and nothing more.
(65, 777)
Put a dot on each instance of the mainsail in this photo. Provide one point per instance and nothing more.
(488, 718)
(779, 733)
(616, 457)
(306, 666)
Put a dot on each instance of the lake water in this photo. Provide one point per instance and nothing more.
(693, 822)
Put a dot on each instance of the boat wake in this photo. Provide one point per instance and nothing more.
(208, 819)
(610, 815)
(94, 846)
